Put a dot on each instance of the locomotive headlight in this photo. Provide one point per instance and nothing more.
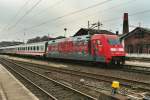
(121, 49)
(113, 49)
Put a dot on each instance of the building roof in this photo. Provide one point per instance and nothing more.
(136, 30)
(85, 31)
(9, 43)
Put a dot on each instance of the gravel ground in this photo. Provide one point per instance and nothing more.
(93, 69)
(71, 79)
(61, 93)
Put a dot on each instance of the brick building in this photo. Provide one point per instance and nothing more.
(137, 41)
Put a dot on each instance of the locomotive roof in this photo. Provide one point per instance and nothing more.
(85, 31)
(76, 38)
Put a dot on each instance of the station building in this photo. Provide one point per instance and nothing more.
(137, 41)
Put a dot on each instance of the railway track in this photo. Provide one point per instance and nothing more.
(139, 85)
(49, 88)
(126, 68)
(136, 69)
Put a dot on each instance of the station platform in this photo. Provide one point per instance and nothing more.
(138, 63)
(13, 89)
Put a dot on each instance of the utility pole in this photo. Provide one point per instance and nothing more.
(88, 24)
(48, 37)
(99, 24)
(139, 24)
(88, 27)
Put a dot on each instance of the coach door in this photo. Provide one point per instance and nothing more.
(96, 49)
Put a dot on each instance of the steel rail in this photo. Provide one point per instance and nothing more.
(83, 94)
(106, 78)
(42, 90)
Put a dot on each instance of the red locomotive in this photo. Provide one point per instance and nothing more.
(95, 46)
(101, 47)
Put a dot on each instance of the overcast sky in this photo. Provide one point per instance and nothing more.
(24, 19)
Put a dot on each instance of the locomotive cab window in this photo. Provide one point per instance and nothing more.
(113, 41)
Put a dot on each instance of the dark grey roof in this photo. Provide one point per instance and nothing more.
(136, 30)
(9, 43)
(85, 31)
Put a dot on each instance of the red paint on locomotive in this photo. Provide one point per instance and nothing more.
(101, 47)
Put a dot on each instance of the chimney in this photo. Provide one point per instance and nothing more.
(125, 24)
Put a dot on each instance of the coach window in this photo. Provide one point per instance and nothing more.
(37, 48)
(42, 48)
(34, 48)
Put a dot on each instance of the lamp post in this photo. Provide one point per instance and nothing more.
(24, 37)
(65, 29)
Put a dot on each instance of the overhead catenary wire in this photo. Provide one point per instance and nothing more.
(26, 13)
(133, 14)
(53, 5)
(118, 5)
(118, 18)
(17, 14)
(69, 14)
(103, 11)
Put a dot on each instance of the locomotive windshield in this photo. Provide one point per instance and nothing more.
(113, 41)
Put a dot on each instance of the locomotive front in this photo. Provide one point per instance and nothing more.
(116, 50)
(107, 49)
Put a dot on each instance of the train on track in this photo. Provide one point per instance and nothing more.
(99, 47)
